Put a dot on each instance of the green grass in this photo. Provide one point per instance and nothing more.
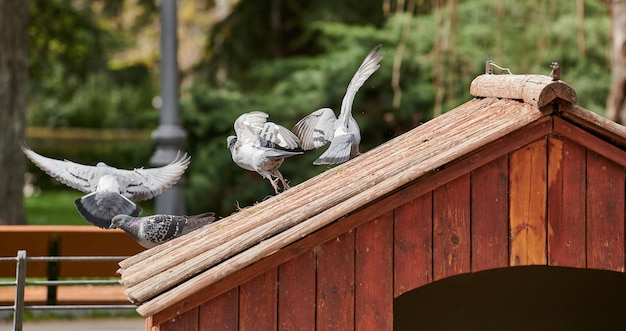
(57, 208)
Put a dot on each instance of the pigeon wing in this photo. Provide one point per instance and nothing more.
(370, 64)
(273, 133)
(77, 176)
(316, 129)
(248, 127)
(197, 221)
(144, 184)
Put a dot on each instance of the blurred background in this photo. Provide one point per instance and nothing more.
(93, 77)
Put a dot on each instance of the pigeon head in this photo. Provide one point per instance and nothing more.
(120, 221)
(231, 141)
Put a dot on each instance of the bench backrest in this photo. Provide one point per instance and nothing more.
(64, 240)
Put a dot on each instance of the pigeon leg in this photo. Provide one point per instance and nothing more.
(274, 183)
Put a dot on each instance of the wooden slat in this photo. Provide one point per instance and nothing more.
(527, 182)
(566, 211)
(221, 313)
(605, 213)
(451, 228)
(374, 274)
(335, 284)
(296, 293)
(613, 132)
(413, 244)
(590, 141)
(489, 215)
(257, 303)
(187, 321)
(183, 295)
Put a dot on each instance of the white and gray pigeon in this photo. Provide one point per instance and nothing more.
(154, 230)
(253, 147)
(110, 190)
(321, 127)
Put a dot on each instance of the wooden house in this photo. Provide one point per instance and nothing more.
(512, 186)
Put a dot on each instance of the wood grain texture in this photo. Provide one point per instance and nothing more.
(221, 313)
(296, 293)
(257, 303)
(183, 322)
(590, 141)
(596, 124)
(605, 213)
(451, 228)
(374, 274)
(528, 196)
(489, 215)
(537, 90)
(566, 194)
(335, 284)
(413, 244)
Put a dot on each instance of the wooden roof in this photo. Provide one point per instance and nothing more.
(167, 274)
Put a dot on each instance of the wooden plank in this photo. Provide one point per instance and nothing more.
(527, 182)
(172, 301)
(257, 302)
(613, 132)
(605, 213)
(187, 321)
(566, 199)
(451, 228)
(590, 141)
(374, 274)
(489, 215)
(221, 313)
(296, 293)
(413, 244)
(335, 284)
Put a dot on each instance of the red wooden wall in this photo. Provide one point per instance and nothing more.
(556, 198)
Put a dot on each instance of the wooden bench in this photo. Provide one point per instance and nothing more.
(62, 240)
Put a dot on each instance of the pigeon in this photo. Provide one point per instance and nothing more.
(154, 230)
(253, 147)
(321, 127)
(110, 190)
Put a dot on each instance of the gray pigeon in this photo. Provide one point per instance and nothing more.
(154, 230)
(253, 147)
(321, 127)
(110, 190)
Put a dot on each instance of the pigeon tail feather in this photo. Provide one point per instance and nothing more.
(89, 207)
(338, 151)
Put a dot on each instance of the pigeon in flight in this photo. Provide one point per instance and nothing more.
(110, 190)
(321, 127)
(253, 147)
(154, 230)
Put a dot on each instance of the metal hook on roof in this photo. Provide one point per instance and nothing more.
(490, 65)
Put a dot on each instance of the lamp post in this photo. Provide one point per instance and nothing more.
(169, 136)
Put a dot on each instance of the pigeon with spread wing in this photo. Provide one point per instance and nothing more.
(253, 147)
(110, 190)
(321, 127)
